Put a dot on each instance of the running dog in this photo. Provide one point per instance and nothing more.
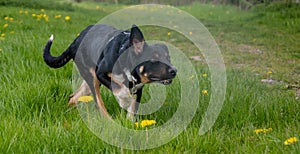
(120, 60)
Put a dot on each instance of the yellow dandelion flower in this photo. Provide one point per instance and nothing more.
(191, 77)
(262, 130)
(5, 25)
(42, 10)
(38, 17)
(26, 12)
(204, 92)
(270, 72)
(290, 141)
(11, 19)
(85, 99)
(204, 75)
(67, 18)
(6, 18)
(33, 15)
(57, 16)
(78, 34)
(46, 19)
(169, 33)
(21, 11)
(2, 35)
(97, 7)
(191, 33)
(145, 123)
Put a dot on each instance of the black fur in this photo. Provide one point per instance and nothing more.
(108, 51)
(65, 57)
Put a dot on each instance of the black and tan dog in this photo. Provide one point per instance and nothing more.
(120, 60)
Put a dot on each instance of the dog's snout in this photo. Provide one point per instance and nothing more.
(173, 71)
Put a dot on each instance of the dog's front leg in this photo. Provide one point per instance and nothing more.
(134, 106)
(123, 95)
(105, 80)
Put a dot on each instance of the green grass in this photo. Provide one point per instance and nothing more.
(33, 106)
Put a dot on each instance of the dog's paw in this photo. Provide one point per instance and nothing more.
(72, 101)
(131, 117)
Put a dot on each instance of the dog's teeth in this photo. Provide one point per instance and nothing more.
(51, 37)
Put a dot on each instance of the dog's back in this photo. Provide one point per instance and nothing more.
(91, 38)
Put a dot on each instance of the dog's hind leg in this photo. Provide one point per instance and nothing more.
(96, 91)
(83, 90)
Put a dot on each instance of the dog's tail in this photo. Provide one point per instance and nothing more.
(65, 57)
(56, 62)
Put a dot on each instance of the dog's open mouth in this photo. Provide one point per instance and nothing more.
(164, 82)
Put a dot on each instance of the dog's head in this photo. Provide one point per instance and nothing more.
(154, 60)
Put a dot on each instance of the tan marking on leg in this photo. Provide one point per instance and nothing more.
(99, 100)
(126, 101)
(124, 97)
(132, 110)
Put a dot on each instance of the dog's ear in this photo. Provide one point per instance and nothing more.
(137, 39)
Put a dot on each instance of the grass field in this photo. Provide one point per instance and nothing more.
(256, 44)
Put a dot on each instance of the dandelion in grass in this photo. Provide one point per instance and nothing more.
(11, 19)
(42, 10)
(26, 12)
(204, 92)
(57, 16)
(67, 18)
(262, 130)
(85, 99)
(145, 123)
(6, 18)
(191, 33)
(270, 72)
(46, 17)
(169, 33)
(2, 35)
(39, 17)
(191, 77)
(290, 141)
(33, 15)
(5, 25)
(21, 11)
(204, 75)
